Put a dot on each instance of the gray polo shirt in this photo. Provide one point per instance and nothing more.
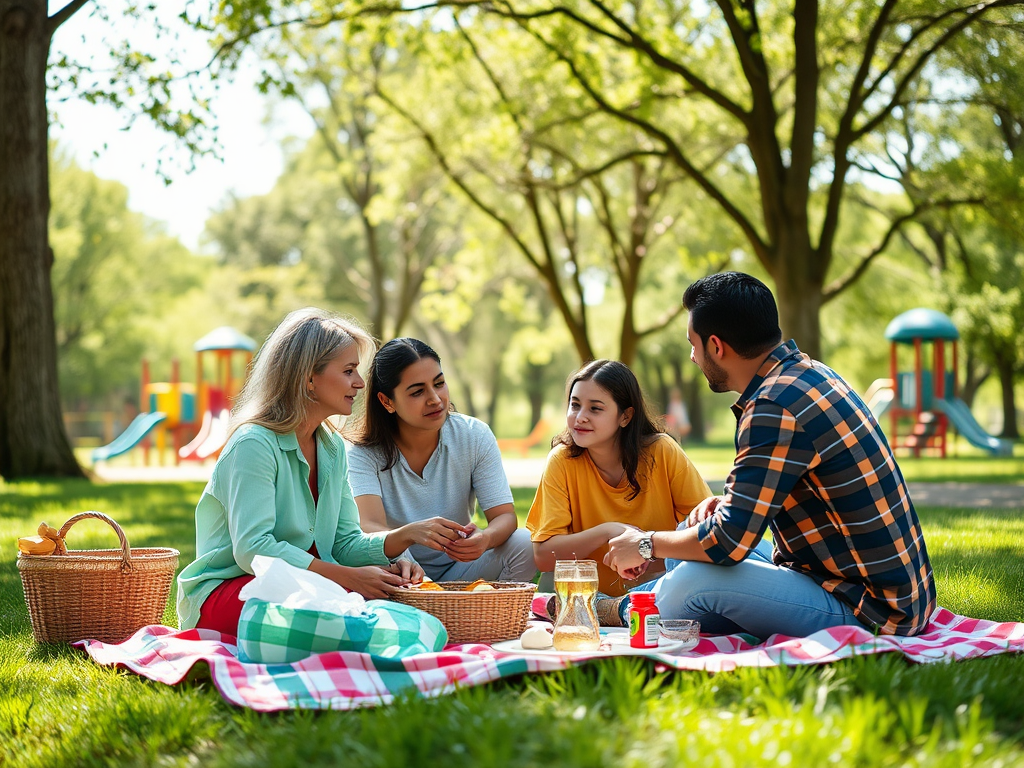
(465, 467)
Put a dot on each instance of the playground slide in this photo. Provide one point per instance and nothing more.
(879, 397)
(135, 433)
(213, 433)
(216, 438)
(962, 418)
(189, 451)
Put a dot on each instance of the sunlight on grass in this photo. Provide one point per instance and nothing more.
(57, 709)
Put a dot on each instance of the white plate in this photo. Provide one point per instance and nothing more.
(614, 642)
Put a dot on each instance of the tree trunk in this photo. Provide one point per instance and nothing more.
(798, 291)
(695, 408)
(494, 396)
(535, 392)
(1004, 364)
(975, 375)
(33, 441)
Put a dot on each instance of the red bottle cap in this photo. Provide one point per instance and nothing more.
(641, 598)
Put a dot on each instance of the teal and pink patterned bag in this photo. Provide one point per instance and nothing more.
(269, 633)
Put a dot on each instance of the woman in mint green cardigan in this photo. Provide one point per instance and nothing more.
(280, 487)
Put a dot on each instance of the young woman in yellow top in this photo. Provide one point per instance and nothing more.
(611, 468)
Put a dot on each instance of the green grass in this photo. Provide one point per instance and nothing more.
(59, 709)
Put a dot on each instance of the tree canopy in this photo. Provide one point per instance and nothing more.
(771, 109)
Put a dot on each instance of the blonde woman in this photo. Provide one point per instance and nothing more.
(280, 487)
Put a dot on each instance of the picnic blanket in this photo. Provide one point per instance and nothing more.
(345, 680)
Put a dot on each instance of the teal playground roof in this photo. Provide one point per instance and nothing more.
(224, 337)
(920, 323)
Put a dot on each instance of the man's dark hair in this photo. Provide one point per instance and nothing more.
(738, 309)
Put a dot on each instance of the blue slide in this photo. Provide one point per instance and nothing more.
(962, 418)
(140, 427)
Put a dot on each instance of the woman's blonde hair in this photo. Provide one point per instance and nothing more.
(276, 394)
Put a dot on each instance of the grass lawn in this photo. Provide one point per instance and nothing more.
(59, 709)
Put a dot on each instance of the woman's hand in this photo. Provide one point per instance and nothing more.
(470, 548)
(435, 533)
(703, 511)
(408, 570)
(370, 581)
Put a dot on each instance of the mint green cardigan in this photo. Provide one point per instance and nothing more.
(258, 502)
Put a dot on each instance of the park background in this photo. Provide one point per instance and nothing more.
(523, 186)
(450, 179)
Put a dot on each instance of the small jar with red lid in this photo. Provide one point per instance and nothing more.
(644, 620)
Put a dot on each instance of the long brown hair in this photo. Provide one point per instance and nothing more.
(620, 382)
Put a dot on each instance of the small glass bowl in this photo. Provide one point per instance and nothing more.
(680, 629)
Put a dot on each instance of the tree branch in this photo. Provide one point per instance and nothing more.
(673, 150)
(585, 174)
(845, 134)
(65, 13)
(662, 322)
(971, 13)
(637, 42)
(838, 286)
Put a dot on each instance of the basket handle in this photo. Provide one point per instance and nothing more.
(126, 552)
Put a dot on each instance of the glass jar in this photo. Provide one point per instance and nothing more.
(576, 627)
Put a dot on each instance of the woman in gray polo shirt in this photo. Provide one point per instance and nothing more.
(418, 466)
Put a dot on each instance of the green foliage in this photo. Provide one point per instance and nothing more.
(115, 275)
(528, 108)
(150, 69)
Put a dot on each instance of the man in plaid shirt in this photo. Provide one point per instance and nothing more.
(813, 466)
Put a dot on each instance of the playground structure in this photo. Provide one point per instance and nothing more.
(171, 407)
(928, 398)
(521, 445)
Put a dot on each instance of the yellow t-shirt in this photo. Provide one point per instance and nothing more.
(573, 497)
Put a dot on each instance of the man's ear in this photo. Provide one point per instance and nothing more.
(715, 347)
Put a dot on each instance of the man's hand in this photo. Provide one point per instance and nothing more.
(703, 511)
(624, 552)
(470, 548)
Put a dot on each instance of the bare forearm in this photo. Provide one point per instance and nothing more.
(573, 545)
(499, 529)
(396, 542)
(333, 571)
(679, 545)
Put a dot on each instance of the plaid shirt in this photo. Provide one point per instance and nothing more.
(813, 464)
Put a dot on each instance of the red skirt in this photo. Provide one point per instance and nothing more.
(222, 609)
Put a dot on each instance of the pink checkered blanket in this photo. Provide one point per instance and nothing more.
(349, 680)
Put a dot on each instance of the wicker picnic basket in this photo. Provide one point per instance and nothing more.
(475, 617)
(97, 594)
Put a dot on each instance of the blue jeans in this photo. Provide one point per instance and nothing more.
(754, 596)
(509, 561)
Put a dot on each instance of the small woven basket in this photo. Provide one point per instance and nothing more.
(475, 617)
(96, 594)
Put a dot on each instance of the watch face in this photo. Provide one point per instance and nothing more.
(646, 548)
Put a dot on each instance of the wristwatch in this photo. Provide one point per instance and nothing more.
(646, 546)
